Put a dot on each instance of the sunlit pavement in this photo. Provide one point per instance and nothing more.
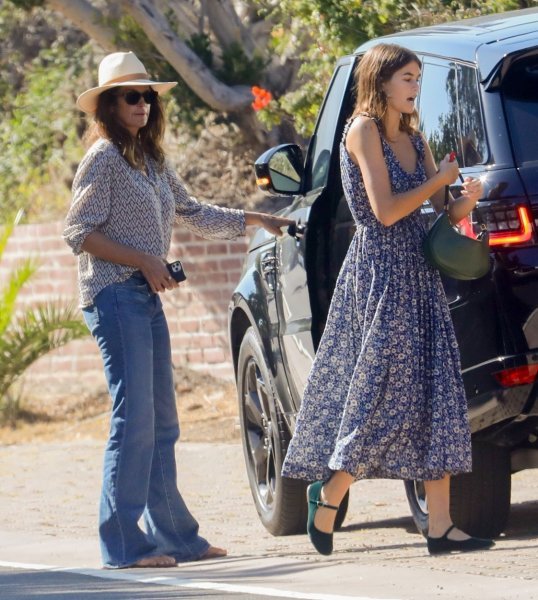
(48, 543)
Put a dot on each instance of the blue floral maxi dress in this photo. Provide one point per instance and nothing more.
(385, 397)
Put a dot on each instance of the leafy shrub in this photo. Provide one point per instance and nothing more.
(28, 334)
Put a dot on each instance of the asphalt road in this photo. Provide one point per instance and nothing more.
(49, 550)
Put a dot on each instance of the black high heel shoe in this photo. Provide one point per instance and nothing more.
(322, 542)
(443, 544)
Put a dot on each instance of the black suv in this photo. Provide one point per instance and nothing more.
(478, 97)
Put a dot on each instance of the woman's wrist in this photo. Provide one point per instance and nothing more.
(252, 218)
(443, 178)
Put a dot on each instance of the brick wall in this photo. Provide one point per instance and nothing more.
(196, 312)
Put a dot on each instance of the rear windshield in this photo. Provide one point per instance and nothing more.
(520, 94)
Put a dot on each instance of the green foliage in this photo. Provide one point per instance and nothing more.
(324, 30)
(39, 127)
(238, 69)
(200, 44)
(45, 63)
(36, 136)
(29, 334)
(27, 4)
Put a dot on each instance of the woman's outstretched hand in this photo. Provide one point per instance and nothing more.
(270, 223)
(472, 189)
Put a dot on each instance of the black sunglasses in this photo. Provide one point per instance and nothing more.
(132, 97)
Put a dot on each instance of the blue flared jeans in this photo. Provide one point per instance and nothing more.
(141, 511)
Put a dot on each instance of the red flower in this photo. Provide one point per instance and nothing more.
(262, 97)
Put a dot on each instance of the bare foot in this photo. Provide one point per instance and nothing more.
(155, 562)
(213, 552)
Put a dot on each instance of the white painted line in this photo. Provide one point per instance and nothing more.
(28, 566)
(181, 582)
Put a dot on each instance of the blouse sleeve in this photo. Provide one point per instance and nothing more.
(206, 220)
(90, 206)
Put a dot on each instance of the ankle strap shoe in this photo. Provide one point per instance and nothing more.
(322, 542)
(444, 545)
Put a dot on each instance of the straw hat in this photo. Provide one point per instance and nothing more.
(116, 70)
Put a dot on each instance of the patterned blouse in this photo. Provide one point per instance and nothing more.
(136, 210)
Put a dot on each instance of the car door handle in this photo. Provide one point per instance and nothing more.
(297, 230)
(268, 265)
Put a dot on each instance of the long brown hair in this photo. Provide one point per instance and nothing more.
(148, 140)
(375, 68)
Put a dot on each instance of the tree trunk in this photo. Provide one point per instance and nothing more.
(227, 27)
(192, 70)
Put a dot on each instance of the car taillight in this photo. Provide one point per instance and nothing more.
(508, 225)
(517, 375)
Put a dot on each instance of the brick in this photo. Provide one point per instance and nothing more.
(180, 235)
(201, 341)
(213, 325)
(190, 325)
(197, 313)
(195, 250)
(195, 356)
(87, 363)
(213, 355)
(208, 266)
(213, 248)
(231, 264)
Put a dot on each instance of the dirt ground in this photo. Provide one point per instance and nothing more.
(207, 411)
(51, 464)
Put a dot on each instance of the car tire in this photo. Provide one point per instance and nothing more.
(479, 501)
(416, 497)
(280, 501)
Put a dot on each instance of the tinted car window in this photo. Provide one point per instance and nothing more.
(438, 115)
(472, 132)
(520, 95)
(323, 140)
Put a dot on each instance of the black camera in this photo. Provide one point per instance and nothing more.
(176, 271)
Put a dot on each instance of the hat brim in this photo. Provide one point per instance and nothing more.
(87, 101)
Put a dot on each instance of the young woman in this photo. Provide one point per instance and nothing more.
(385, 397)
(125, 201)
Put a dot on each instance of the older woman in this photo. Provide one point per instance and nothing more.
(125, 201)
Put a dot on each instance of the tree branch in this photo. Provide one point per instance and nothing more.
(88, 19)
(227, 26)
(187, 20)
(192, 70)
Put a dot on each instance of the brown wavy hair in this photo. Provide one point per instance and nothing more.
(375, 68)
(148, 140)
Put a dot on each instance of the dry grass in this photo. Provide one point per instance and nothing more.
(207, 411)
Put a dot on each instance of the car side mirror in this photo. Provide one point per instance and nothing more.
(280, 170)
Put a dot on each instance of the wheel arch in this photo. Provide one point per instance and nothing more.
(240, 319)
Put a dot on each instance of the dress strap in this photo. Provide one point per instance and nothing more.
(346, 128)
(418, 142)
(350, 121)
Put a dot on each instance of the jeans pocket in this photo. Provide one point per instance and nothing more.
(133, 293)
